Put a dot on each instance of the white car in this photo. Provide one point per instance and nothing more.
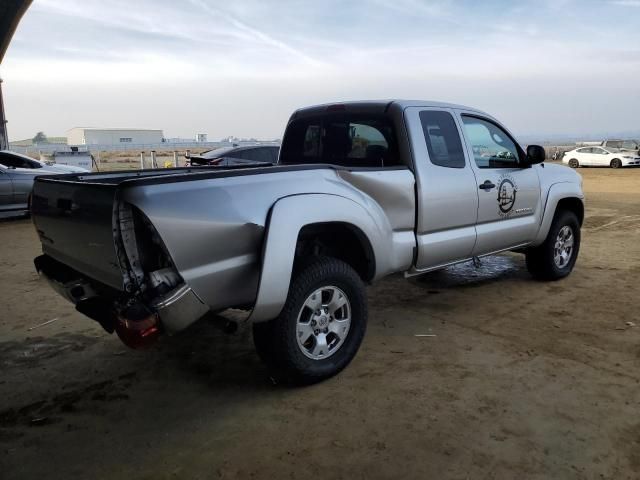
(600, 157)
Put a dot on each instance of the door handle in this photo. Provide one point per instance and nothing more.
(487, 185)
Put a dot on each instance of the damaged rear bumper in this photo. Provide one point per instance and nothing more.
(179, 308)
(176, 309)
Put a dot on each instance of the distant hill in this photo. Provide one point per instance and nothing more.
(28, 142)
(569, 139)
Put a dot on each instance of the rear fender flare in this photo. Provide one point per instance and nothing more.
(287, 217)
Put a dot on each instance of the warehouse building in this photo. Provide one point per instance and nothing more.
(113, 136)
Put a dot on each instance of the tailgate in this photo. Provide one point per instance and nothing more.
(74, 222)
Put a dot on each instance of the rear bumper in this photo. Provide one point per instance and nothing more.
(179, 308)
(176, 309)
(66, 281)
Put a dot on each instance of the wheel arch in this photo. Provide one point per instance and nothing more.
(572, 204)
(341, 240)
(299, 224)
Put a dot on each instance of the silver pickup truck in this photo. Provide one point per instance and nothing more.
(361, 190)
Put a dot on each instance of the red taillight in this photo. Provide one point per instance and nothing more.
(138, 331)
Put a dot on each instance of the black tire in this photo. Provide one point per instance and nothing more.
(616, 163)
(573, 163)
(276, 341)
(540, 260)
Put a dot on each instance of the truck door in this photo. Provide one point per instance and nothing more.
(509, 204)
(446, 188)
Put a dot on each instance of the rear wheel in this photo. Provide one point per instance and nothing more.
(573, 163)
(616, 163)
(321, 326)
(555, 258)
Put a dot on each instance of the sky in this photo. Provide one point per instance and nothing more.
(543, 67)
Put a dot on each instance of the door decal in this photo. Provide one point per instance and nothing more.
(507, 190)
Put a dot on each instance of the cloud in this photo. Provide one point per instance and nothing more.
(626, 3)
(254, 33)
(199, 59)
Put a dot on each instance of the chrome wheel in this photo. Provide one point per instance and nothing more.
(563, 248)
(323, 323)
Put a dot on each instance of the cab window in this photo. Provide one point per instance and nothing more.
(492, 146)
(442, 138)
(341, 139)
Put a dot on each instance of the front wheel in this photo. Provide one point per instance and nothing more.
(573, 163)
(555, 258)
(321, 326)
(616, 163)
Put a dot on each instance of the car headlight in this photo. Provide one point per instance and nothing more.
(627, 156)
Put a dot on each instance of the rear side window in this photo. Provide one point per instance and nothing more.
(341, 139)
(443, 140)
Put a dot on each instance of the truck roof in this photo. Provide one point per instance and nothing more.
(376, 106)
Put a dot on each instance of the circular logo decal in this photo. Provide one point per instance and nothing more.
(506, 195)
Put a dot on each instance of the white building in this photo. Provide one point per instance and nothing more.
(201, 137)
(113, 136)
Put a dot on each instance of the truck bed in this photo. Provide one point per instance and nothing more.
(212, 229)
(74, 215)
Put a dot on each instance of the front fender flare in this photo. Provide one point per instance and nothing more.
(287, 217)
(557, 192)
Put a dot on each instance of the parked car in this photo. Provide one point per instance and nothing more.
(226, 156)
(600, 157)
(624, 145)
(17, 174)
(362, 190)
(17, 160)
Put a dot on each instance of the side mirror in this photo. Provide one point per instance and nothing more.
(535, 154)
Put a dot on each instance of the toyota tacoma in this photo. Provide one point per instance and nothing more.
(361, 190)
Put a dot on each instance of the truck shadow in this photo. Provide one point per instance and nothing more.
(494, 268)
(200, 372)
(16, 219)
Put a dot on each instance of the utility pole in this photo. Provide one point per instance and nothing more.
(4, 138)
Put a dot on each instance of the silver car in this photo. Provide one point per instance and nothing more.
(17, 173)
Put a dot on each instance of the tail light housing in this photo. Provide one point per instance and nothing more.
(137, 326)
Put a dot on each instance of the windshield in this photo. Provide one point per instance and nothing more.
(17, 160)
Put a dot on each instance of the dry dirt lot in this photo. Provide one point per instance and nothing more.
(522, 380)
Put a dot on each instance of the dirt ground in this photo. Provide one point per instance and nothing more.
(521, 380)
